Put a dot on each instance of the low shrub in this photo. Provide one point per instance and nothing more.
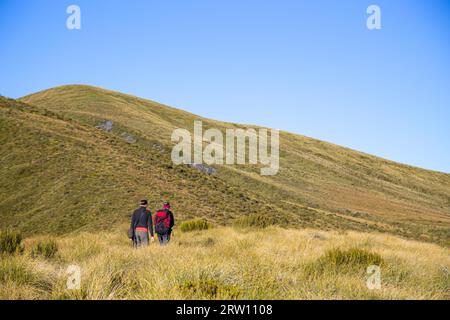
(353, 256)
(338, 260)
(47, 249)
(10, 242)
(195, 224)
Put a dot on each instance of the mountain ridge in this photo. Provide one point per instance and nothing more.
(250, 125)
(320, 184)
(95, 87)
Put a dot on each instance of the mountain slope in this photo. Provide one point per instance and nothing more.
(58, 176)
(319, 184)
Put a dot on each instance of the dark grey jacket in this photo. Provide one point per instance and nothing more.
(142, 218)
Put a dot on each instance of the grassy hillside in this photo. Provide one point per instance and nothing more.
(59, 176)
(226, 263)
(62, 180)
(94, 174)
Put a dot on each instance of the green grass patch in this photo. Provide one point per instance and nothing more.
(195, 225)
(47, 249)
(10, 242)
(339, 261)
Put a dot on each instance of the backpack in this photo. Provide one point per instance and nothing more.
(162, 222)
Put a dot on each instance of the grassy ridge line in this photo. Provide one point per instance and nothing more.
(226, 263)
(359, 191)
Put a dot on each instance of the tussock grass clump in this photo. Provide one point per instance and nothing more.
(338, 260)
(46, 248)
(20, 280)
(10, 242)
(12, 271)
(195, 224)
(260, 221)
(205, 287)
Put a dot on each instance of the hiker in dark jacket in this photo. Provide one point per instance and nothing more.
(164, 223)
(141, 223)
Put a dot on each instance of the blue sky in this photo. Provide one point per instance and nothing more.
(310, 67)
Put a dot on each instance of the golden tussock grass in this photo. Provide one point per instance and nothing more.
(227, 263)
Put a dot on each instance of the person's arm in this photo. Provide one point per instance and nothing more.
(133, 220)
(150, 223)
(172, 220)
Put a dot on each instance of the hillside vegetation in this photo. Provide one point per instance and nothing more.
(60, 176)
(75, 161)
(65, 175)
(226, 263)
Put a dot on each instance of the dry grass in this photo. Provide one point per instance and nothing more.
(226, 263)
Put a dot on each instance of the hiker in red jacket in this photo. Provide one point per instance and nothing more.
(164, 222)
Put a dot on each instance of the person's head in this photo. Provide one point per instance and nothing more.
(166, 205)
(144, 203)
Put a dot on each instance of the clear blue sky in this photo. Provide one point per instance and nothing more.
(310, 67)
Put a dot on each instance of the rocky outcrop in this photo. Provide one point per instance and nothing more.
(128, 137)
(203, 168)
(106, 125)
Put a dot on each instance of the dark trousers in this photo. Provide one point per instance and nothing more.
(164, 238)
